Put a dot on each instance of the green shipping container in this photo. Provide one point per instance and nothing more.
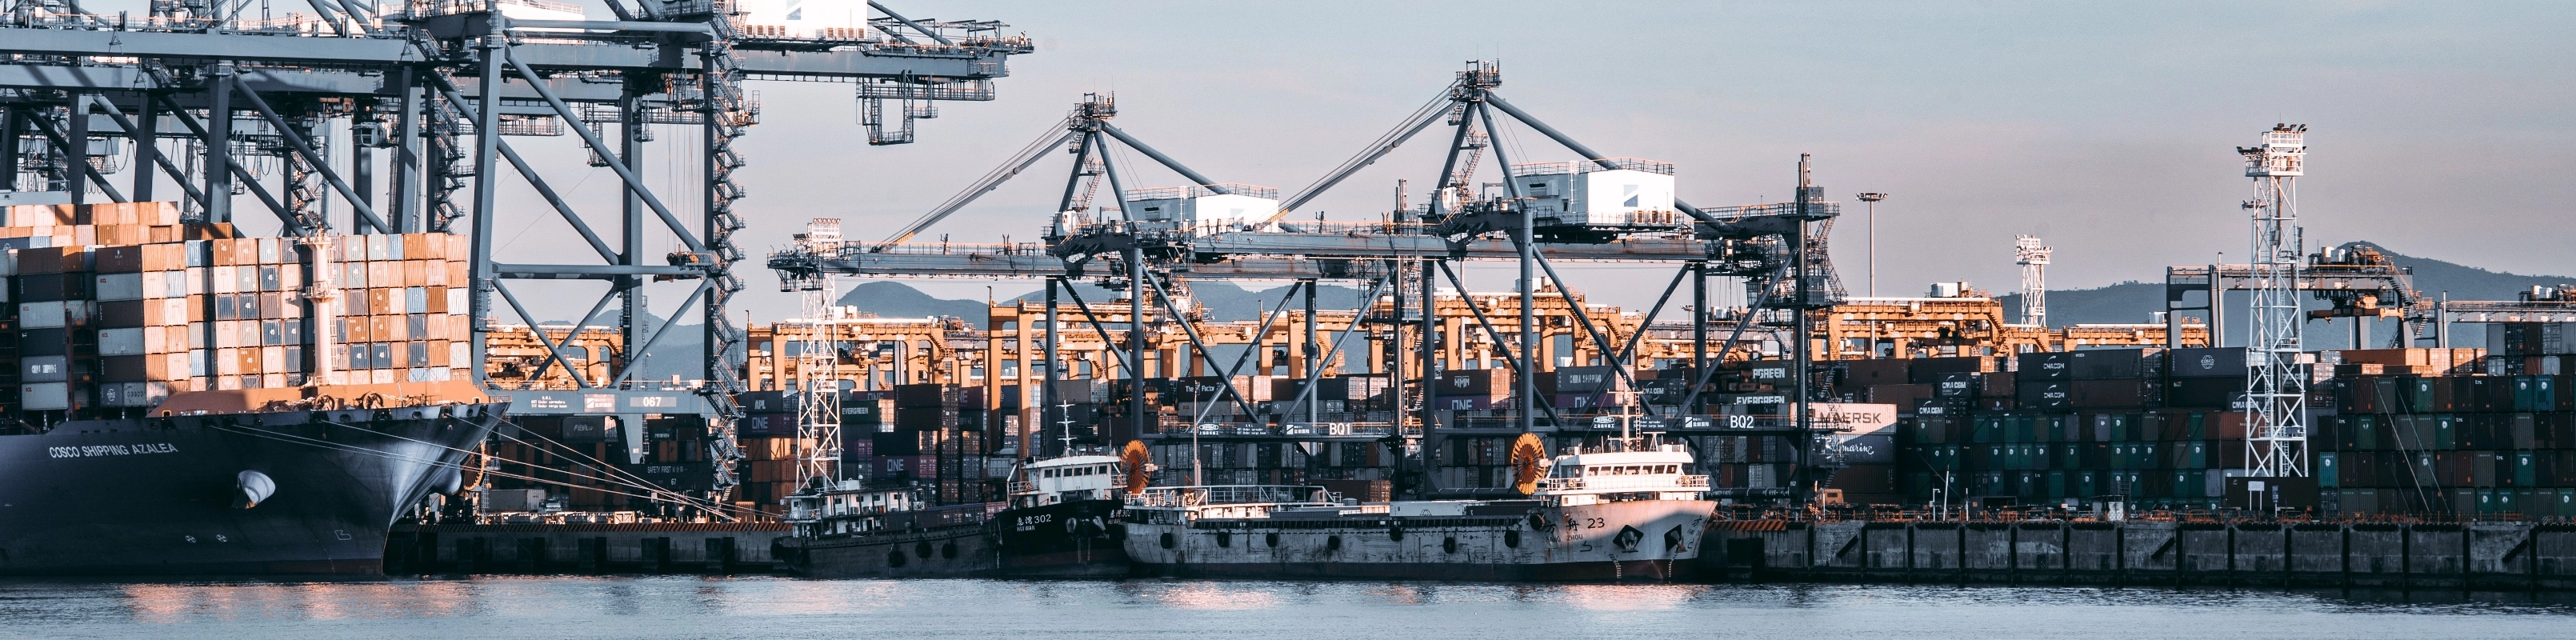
(2525, 470)
(2566, 503)
(2446, 433)
(2365, 433)
(2329, 474)
(2057, 485)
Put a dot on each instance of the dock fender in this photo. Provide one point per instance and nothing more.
(255, 487)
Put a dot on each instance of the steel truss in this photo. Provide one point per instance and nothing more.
(439, 87)
(1779, 246)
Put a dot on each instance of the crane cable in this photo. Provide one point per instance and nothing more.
(1056, 134)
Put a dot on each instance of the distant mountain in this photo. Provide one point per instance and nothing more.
(2131, 302)
(1225, 301)
(898, 300)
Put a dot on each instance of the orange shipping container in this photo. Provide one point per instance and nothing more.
(220, 252)
(412, 273)
(438, 353)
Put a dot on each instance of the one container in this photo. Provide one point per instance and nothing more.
(2206, 362)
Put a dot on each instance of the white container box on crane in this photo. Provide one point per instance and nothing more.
(1586, 193)
(1203, 208)
(805, 19)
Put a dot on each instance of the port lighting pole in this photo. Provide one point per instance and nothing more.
(1873, 198)
(2276, 427)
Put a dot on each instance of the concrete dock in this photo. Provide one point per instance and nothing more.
(582, 548)
(2485, 556)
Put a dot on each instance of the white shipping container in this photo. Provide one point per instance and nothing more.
(9, 262)
(221, 280)
(132, 394)
(196, 280)
(45, 396)
(457, 352)
(41, 315)
(118, 286)
(121, 342)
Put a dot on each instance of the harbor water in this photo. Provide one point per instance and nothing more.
(700, 607)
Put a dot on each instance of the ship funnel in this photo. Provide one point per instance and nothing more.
(255, 487)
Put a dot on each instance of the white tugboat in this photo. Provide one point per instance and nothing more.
(1624, 513)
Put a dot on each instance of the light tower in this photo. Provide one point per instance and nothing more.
(2033, 258)
(1872, 198)
(818, 412)
(2276, 426)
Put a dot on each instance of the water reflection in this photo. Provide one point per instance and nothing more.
(1627, 597)
(624, 608)
(1216, 596)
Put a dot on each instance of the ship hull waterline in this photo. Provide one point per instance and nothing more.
(165, 495)
(1648, 541)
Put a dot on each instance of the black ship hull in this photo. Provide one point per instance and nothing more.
(166, 495)
(957, 551)
(1078, 539)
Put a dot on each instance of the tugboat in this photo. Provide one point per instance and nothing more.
(853, 530)
(1626, 513)
(1063, 521)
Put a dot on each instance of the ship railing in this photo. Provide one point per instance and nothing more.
(1023, 486)
(1194, 496)
(1693, 481)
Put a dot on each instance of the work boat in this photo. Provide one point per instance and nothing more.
(851, 529)
(1061, 522)
(1627, 512)
(1063, 517)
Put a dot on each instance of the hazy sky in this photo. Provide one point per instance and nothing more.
(2437, 129)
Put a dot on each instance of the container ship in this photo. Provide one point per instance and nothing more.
(1625, 513)
(254, 481)
(181, 400)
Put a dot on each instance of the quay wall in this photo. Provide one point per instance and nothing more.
(582, 548)
(2485, 556)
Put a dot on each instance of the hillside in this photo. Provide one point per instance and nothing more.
(2138, 301)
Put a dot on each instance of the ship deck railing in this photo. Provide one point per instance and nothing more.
(1194, 496)
(1580, 484)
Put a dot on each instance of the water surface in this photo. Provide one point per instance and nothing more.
(695, 607)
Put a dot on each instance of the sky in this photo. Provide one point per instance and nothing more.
(2437, 129)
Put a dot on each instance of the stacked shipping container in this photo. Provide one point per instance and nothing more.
(2472, 445)
(114, 306)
